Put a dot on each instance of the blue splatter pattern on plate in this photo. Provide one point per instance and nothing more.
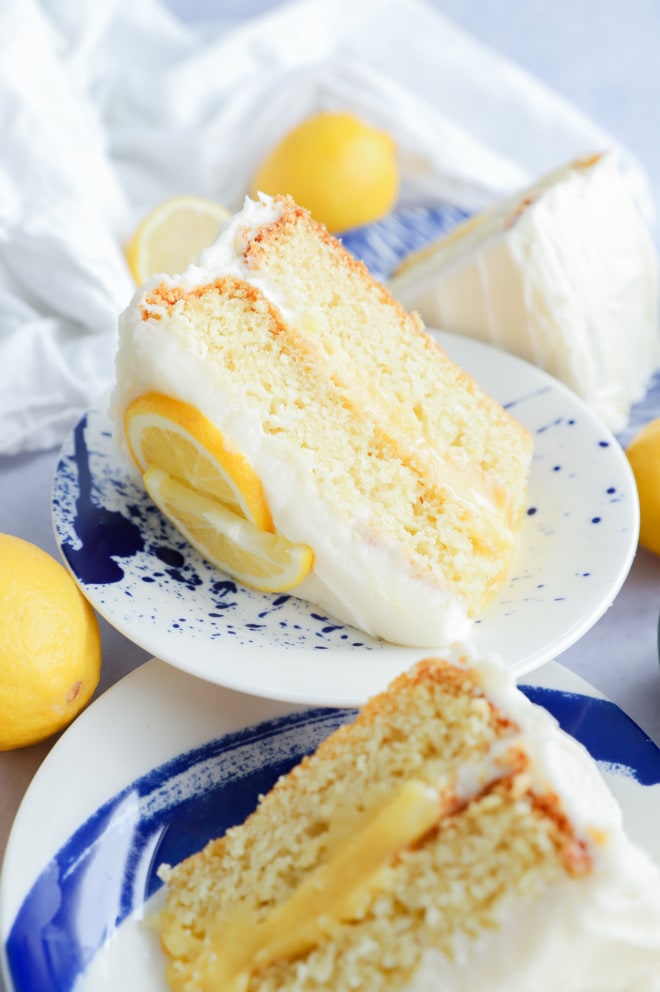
(112, 535)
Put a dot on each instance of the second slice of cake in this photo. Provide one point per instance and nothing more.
(450, 839)
(564, 274)
(375, 452)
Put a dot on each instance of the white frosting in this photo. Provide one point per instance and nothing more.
(353, 579)
(568, 281)
(596, 933)
(559, 763)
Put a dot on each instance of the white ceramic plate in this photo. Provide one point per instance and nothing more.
(578, 542)
(184, 761)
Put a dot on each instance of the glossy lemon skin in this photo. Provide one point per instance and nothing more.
(341, 169)
(644, 456)
(50, 645)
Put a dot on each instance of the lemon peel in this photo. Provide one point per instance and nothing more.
(210, 493)
(177, 438)
(257, 558)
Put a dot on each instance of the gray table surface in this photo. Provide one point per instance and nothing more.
(602, 55)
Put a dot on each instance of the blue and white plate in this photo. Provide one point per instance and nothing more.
(578, 541)
(185, 760)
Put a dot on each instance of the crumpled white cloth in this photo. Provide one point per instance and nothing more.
(108, 108)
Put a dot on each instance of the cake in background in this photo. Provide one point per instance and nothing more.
(380, 464)
(564, 274)
(451, 838)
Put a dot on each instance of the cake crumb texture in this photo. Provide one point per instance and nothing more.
(501, 842)
(353, 392)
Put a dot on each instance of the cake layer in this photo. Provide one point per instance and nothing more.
(564, 274)
(374, 449)
(449, 426)
(522, 880)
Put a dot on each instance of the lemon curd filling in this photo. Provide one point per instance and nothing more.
(334, 892)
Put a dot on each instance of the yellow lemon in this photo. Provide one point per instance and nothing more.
(341, 169)
(172, 235)
(50, 645)
(644, 457)
(211, 493)
(258, 558)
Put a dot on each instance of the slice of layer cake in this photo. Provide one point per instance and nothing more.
(374, 450)
(450, 839)
(565, 274)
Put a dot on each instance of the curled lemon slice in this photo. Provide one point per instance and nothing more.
(257, 558)
(211, 493)
(172, 235)
(177, 438)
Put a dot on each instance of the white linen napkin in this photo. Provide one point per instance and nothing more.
(108, 108)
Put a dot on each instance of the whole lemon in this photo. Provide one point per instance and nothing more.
(341, 169)
(50, 645)
(644, 457)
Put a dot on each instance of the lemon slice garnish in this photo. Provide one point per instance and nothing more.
(257, 558)
(177, 438)
(211, 493)
(172, 236)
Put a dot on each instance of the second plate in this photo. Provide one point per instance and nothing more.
(190, 761)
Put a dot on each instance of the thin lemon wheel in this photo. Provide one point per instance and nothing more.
(260, 559)
(177, 438)
(173, 235)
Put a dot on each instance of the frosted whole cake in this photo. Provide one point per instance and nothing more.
(564, 274)
(363, 442)
(451, 839)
